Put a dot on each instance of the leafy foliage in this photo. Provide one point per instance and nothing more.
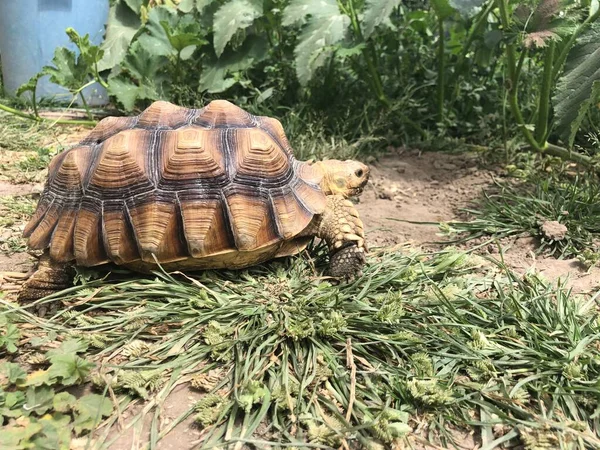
(233, 16)
(579, 88)
(448, 334)
(33, 414)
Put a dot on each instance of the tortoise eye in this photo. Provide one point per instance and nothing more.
(359, 173)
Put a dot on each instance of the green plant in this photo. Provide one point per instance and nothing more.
(35, 410)
(358, 363)
(529, 208)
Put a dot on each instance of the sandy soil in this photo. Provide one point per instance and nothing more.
(406, 186)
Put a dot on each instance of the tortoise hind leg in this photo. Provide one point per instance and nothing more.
(342, 229)
(49, 277)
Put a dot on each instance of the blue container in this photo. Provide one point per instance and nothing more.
(30, 31)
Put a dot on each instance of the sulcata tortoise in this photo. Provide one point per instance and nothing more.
(190, 189)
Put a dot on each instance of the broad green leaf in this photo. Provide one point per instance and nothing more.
(67, 70)
(38, 378)
(30, 86)
(186, 6)
(146, 70)
(231, 17)
(135, 5)
(214, 76)
(9, 337)
(39, 399)
(297, 11)
(14, 400)
(142, 64)
(70, 368)
(122, 26)
(187, 52)
(180, 40)
(344, 52)
(155, 40)
(13, 372)
(18, 434)
(63, 402)
(467, 8)
(68, 347)
(316, 40)
(376, 12)
(578, 86)
(89, 411)
(125, 91)
(55, 433)
(89, 53)
(442, 8)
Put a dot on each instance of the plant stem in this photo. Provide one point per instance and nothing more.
(24, 115)
(513, 76)
(369, 54)
(85, 105)
(541, 128)
(441, 70)
(459, 67)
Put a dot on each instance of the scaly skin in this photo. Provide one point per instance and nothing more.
(342, 230)
(49, 278)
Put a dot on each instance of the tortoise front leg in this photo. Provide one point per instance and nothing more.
(342, 229)
(49, 278)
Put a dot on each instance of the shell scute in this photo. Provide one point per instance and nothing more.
(175, 184)
(259, 159)
(157, 227)
(223, 114)
(191, 154)
(122, 165)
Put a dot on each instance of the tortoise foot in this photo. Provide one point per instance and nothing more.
(348, 262)
(49, 278)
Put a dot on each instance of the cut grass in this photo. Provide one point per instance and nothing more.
(450, 340)
(21, 135)
(512, 210)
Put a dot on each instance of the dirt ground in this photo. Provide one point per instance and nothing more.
(406, 185)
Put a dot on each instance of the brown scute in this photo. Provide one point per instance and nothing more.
(191, 154)
(223, 114)
(206, 228)
(215, 187)
(118, 237)
(292, 216)
(275, 129)
(123, 162)
(67, 176)
(259, 158)
(163, 115)
(309, 173)
(157, 230)
(108, 127)
(40, 237)
(61, 247)
(251, 220)
(311, 197)
(293, 247)
(42, 207)
(88, 242)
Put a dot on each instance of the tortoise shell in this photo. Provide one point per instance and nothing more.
(214, 187)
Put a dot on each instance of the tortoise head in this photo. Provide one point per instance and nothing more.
(345, 178)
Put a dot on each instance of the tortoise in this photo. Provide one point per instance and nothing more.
(190, 189)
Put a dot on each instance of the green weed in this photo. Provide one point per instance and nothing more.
(537, 206)
(450, 339)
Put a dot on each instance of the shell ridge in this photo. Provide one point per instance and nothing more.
(31, 226)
